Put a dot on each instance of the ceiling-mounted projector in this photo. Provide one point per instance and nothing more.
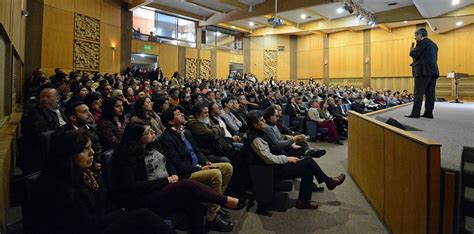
(275, 22)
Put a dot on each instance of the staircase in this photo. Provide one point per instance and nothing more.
(467, 198)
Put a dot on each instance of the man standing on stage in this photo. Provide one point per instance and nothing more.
(425, 70)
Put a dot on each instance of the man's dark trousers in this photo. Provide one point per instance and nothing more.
(424, 86)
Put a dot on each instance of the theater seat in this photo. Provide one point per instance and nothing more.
(28, 185)
(313, 131)
(106, 161)
(265, 186)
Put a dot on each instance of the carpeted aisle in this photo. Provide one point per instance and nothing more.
(343, 210)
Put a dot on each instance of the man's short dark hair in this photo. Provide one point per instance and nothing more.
(422, 32)
(253, 117)
(167, 116)
(270, 111)
(225, 100)
(71, 108)
(198, 108)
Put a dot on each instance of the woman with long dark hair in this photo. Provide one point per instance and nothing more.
(110, 128)
(69, 196)
(142, 177)
(143, 112)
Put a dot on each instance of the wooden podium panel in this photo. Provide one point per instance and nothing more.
(367, 151)
(405, 184)
(398, 172)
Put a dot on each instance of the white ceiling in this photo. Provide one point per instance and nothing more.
(441, 25)
(376, 6)
(215, 5)
(329, 10)
(435, 8)
(295, 16)
(184, 6)
(259, 22)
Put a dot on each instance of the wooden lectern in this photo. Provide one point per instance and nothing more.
(456, 76)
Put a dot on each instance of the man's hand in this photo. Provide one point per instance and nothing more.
(236, 138)
(298, 138)
(173, 179)
(293, 160)
(206, 167)
(98, 166)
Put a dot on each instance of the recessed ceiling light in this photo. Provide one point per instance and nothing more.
(303, 16)
(251, 23)
(233, 26)
(405, 22)
(340, 10)
(455, 2)
(459, 23)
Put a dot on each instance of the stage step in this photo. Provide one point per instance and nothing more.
(468, 204)
(469, 194)
(469, 168)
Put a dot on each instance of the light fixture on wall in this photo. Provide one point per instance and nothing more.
(366, 60)
(24, 13)
(325, 62)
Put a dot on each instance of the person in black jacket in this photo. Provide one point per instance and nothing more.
(339, 119)
(47, 116)
(261, 150)
(143, 177)
(183, 152)
(69, 196)
(425, 70)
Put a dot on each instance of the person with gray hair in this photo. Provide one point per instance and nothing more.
(425, 71)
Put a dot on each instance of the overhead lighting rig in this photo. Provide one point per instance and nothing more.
(360, 12)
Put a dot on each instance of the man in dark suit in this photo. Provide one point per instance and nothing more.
(425, 70)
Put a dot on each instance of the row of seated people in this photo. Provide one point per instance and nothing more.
(79, 117)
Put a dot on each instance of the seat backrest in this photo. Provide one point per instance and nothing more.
(262, 181)
(286, 120)
(312, 127)
(106, 163)
(44, 144)
(26, 207)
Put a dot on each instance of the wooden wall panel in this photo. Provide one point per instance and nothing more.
(393, 83)
(283, 65)
(346, 55)
(58, 33)
(110, 11)
(256, 63)
(236, 58)
(17, 32)
(169, 59)
(67, 5)
(109, 37)
(191, 53)
(309, 57)
(367, 151)
(390, 52)
(139, 47)
(222, 64)
(405, 194)
(445, 42)
(205, 54)
(90, 8)
(464, 50)
(6, 7)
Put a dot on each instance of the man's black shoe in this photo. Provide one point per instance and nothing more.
(220, 225)
(427, 116)
(413, 116)
(315, 153)
(225, 214)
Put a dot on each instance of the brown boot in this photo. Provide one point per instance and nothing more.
(336, 181)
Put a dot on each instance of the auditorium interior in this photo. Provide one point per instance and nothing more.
(241, 116)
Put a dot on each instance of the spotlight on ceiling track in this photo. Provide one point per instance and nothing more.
(348, 8)
(459, 23)
(455, 2)
(339, 10)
